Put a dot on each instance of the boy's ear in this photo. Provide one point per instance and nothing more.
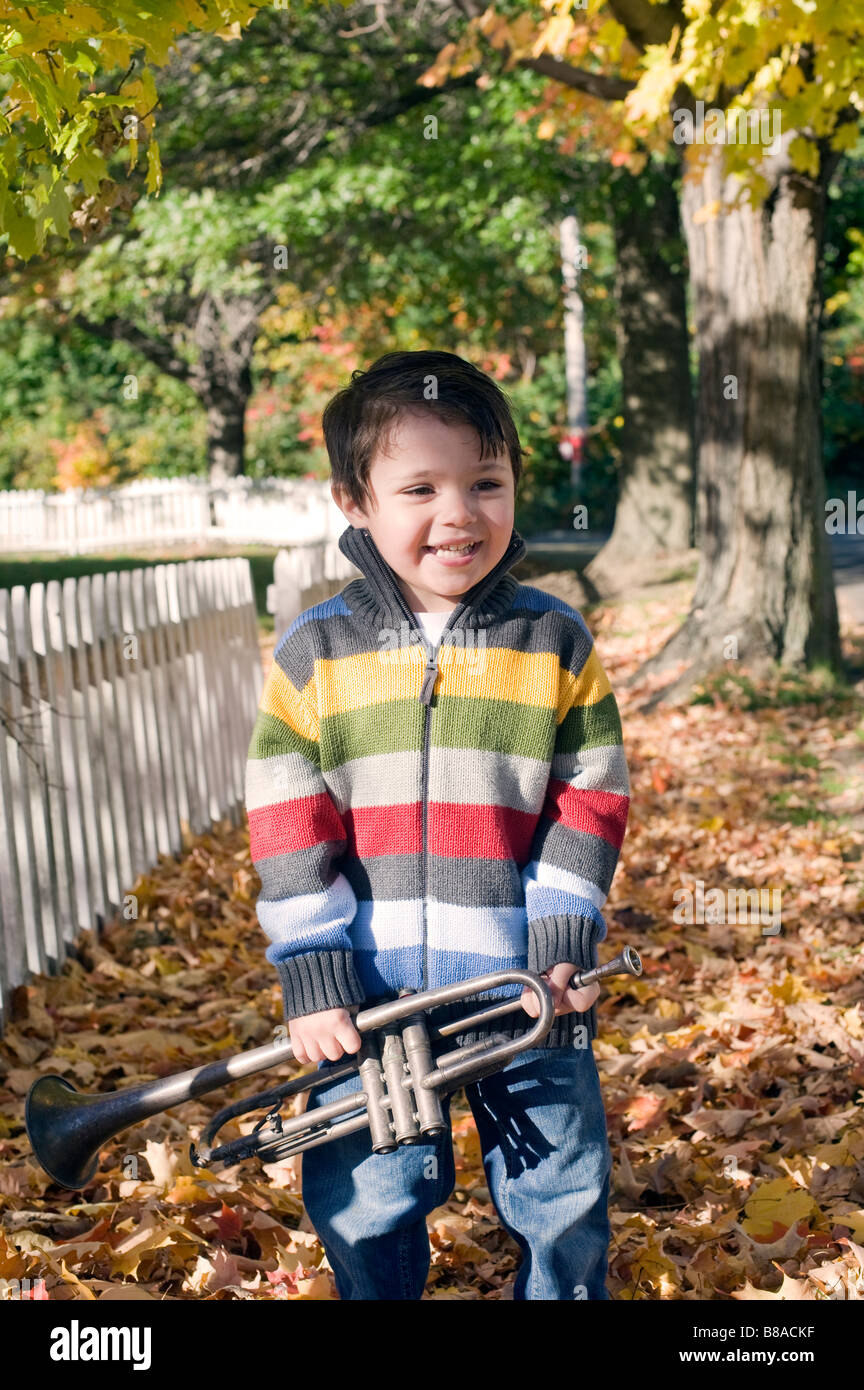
(349, 509)
(339, 499)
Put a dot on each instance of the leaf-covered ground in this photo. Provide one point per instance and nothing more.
(733, 1070)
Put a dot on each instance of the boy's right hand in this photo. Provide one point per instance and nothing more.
(328, 1034)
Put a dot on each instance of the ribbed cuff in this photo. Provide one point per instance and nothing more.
(318, 980)
(557, 938)
(561, 937)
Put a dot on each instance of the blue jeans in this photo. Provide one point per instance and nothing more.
(546, 1156)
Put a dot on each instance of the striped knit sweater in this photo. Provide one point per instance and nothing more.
(418, 817)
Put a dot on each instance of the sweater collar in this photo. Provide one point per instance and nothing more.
(379, 597)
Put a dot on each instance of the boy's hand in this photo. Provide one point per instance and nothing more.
(567, 1001)
(330, 1033)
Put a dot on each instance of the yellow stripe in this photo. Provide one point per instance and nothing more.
(281, 699)
(494, 673)
(500, 673)
(369, 678)
(588, 688)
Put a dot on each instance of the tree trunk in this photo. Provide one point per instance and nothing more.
(654, 514)
(226, 437)
(764, 591)
(225, 333)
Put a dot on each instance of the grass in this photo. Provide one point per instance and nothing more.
(788, 806)
(785, 689)
(797, 759)
(33, 569)
(679, 575)
(800, 813)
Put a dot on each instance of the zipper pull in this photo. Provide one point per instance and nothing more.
(430, 675)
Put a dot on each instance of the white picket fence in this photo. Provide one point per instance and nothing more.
(127, 702)
(303, 576)
(165, 511)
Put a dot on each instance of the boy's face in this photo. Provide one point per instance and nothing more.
(432, 491)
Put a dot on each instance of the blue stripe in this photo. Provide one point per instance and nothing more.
(538, 601)
(546, 901)
(330, 608)
(386, 972)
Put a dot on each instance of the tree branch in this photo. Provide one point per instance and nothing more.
(282, 157)
(646, 23)
(159, 352)
(602, 85)
(594, 84)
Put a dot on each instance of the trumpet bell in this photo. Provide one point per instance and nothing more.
(62, 1131)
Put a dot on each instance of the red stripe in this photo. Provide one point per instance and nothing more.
(374, 830)
(596, 812)
(466, 831)
(296, 824)
(454, 829)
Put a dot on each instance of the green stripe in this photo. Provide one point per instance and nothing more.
(590, 726)
(389, 727)
(499, 726)
(272, 735)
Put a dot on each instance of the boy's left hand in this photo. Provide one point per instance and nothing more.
(567, 1001)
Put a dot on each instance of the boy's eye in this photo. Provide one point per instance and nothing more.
(424, 487)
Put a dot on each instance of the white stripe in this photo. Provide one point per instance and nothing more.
(540, 874)
(280, 778)
(603, 768)
(481, 931)
(387, 926)
(385, 779)
(300, 920)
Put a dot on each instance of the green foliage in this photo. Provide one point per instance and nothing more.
(393, 240)
(73, 76)
(60, 116)
(54, 378)
(546, 497)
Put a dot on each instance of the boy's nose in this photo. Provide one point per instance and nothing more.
(457, 511)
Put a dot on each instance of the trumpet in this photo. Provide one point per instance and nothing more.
(402, 1085)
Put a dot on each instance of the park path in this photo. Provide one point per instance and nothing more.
(847, 558)
(847, 554)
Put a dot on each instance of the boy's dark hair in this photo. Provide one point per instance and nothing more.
(359, 419)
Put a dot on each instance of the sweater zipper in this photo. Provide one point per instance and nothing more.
(430, 676)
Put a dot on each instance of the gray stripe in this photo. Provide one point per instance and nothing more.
(299, 871)
(596, 857)
(465, 882)
(339, 636)
(604, 767)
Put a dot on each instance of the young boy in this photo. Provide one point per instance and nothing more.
(437, 788)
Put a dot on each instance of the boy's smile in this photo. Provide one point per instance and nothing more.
(440, 517)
